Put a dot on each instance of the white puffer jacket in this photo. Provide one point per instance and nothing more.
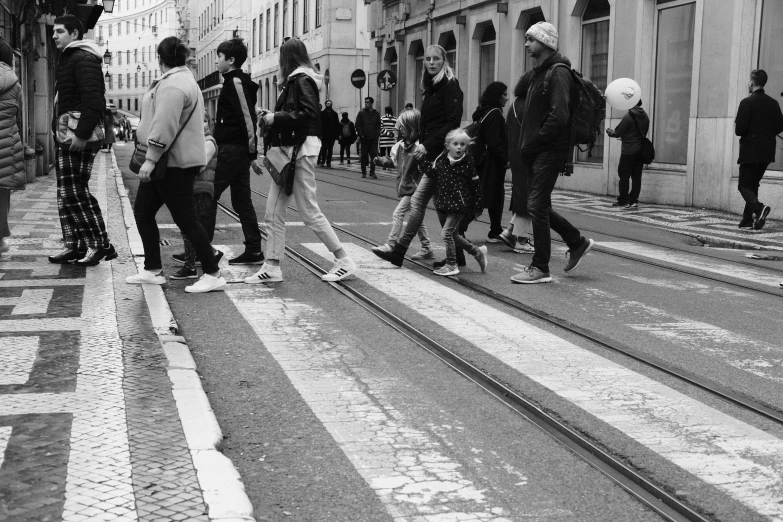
(11, 148)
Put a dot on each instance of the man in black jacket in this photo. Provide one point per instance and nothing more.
(758, 120)
(78, 89)
(330, 129)
(546, 145)
(368, 127)
(235, 134)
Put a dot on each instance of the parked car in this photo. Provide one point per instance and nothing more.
(134, 124)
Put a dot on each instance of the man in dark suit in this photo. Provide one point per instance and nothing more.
(758, 120)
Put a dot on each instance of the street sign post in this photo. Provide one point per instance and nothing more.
(387, 80)
(358, 79)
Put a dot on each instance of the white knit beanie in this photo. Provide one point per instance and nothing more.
(545, 33)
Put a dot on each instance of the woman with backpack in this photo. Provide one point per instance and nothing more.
(347, 137)
(492, 157)
(441, 112)
(294, 127)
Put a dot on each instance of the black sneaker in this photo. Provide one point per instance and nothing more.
(247, 258)
(185, 273)
(576, 255)
(66, 256)
(96, 255)
(494, 238)
(618, 204)
(179, 258)
(746, 223)
(762, 219)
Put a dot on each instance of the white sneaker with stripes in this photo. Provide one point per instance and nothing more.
(342, 268)
(267, 274)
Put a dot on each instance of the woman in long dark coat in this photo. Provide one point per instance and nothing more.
(12, 176)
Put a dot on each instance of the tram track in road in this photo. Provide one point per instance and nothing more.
(713, 388)
(612, 253)
(667, 505)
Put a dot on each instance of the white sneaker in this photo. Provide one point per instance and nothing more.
(424, 253)
(524, 246)
(145, 277)
(342, 268)
(267, 274)
(5, 246)
(207, 283)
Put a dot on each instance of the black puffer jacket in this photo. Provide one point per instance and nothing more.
(79, 82)
(493, 169)
(459, 187)
(297, 115)
(230, 125)
(441, 111)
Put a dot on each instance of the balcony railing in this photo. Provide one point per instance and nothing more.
(210, 80)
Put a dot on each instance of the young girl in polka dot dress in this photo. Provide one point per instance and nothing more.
(458, 198)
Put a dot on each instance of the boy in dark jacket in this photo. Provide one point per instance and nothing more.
(758, 120)
(235, 134)
(631, 130)
(80, 88)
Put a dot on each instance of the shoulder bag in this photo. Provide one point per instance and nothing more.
(139, 155)
(67, 122)
(281, 166)
(647, 153)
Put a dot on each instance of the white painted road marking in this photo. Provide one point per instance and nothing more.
(407, 468)
(745, 273)
(17, 356)
(744, 462)
(5, 436)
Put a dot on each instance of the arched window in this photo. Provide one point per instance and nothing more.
(448, 42)
(595, 61)
(487, 57)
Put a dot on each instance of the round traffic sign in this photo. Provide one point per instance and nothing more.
(386, 80)
(358, 78)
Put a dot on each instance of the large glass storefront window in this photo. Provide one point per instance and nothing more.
(673, 73)
(771, 59)
(595, 63)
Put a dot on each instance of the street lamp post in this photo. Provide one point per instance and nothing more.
(107, 55)
(108, 6)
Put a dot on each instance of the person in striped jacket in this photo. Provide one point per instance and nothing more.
(388, 135)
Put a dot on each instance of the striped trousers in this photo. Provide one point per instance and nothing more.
(80, 216)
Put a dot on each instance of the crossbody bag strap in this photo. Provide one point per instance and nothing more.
(251, 142)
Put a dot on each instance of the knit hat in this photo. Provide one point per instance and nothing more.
(545, 33)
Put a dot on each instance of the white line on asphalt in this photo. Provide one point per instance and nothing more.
(743, 461)
(5, 436)
(17, 356)
(753, 275)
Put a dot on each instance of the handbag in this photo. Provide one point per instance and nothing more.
(281, 167)
(139, 155)
(66, 125)
(647, 153)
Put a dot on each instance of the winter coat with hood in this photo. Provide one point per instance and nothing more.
(11, 148)
(459, 186)
(79, 85)
(492, 169)
(231, 125)
(546, 125)
(628, 130)
(441, 112)
(297, 116)
(518, 173)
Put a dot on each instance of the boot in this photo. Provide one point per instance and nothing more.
(395, 257)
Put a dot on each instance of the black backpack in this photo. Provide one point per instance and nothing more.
(587, 109)
(647, 153)
(478, 145)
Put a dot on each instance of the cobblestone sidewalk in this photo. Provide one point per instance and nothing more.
(89, 429)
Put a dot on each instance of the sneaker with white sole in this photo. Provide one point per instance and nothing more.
(145, 277)
(386, 247)
(342, 268)
(446, 270)
(5, 246)
(507, 238)
(531, 275)
(424, 253)
(524, 246)
(207, 283)
(576, 255)
(481, 258)
(267, 274)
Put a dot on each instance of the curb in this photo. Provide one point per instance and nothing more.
(221, 485)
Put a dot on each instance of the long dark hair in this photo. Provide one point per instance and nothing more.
(293, 54)
(492, 94)
(172, 52)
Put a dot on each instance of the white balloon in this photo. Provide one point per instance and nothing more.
(623, 93)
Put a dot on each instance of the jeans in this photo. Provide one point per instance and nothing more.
(176, 192)
(201, 205)
(306, 203)
(397, 221)
(630, 168)
(541, 179)
(426, 189)
(369, 152)
(325, 156)
(452, 238)
(750, 175)
(5, 208)
(233, 170)
(345, 150)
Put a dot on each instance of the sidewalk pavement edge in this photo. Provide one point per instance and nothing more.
(221, 484)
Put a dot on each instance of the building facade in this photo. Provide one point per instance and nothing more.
(334, 32)
(692, 59)
(131, 34)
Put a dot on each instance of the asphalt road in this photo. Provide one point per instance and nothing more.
(299, 377)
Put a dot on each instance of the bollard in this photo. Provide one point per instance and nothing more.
(39, 160)
(29, 164)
